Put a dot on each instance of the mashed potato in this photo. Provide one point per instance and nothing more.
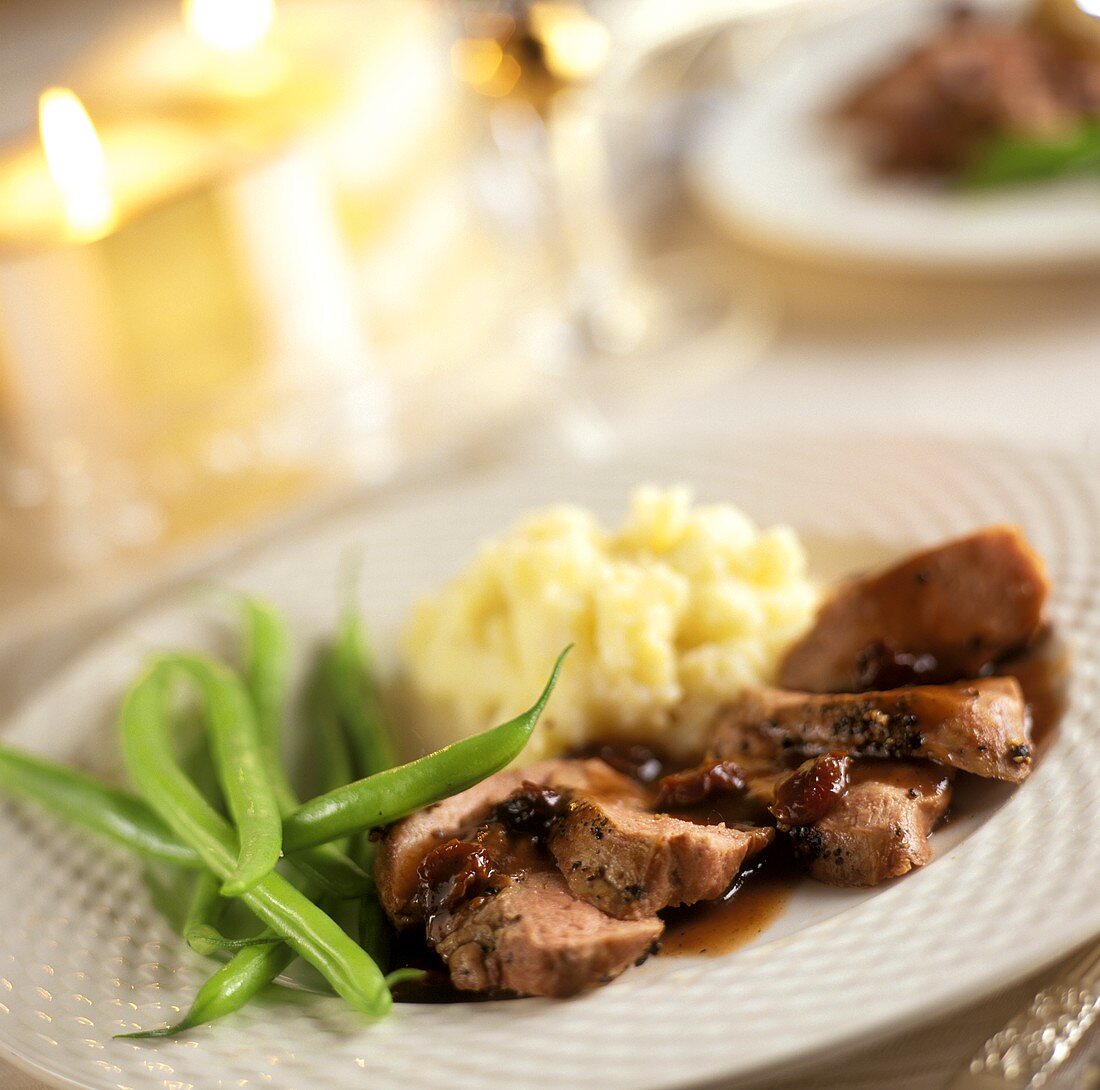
(683, 604)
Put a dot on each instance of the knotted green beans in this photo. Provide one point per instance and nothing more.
(289, 913)
(387, 796)
(175, 823)
(366, 804)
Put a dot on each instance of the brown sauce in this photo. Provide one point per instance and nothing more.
(1043, 674)
(756, 900)
(410, 951)
(923, 776)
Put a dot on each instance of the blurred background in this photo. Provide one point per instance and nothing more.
(259, 258)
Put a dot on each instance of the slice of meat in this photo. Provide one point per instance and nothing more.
(978, 726)
(409, 841)
(474, 872)
(631, 863)
(880, 828)
(535, 938)
(946, 613)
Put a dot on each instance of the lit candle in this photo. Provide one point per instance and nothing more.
(169, 306)
(77, 163)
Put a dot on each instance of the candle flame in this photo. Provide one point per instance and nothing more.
(229, 26)
(76, 163)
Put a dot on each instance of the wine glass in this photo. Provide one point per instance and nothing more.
(636, 318)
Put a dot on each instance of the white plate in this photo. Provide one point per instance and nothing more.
(84, 956)
(769, 167)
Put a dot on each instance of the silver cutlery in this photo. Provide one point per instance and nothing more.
(1030, 1050)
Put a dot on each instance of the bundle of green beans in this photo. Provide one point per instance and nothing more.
(232, 847)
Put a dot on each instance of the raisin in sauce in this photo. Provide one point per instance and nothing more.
(811, 791)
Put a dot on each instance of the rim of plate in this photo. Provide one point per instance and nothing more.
(978, 917)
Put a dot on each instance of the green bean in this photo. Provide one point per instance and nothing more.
(235, 747)
(203, 906)
(1017, 159)
(230, 988)
(334, 767)
(289, 913)
(267, 657)
(105, 810)
(267, 662)
(206, 905)
(348, 673)
(387, 796)
(333, 871)
(256, 964)
(375, 932)
(401, 976)
(206, 939)
(355, 690)
(128, 820)
(170, 890)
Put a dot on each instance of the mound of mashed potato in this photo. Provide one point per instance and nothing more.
(681, 605)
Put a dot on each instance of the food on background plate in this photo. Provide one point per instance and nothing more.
(986, 100)
(474, 871)
(682, 604)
